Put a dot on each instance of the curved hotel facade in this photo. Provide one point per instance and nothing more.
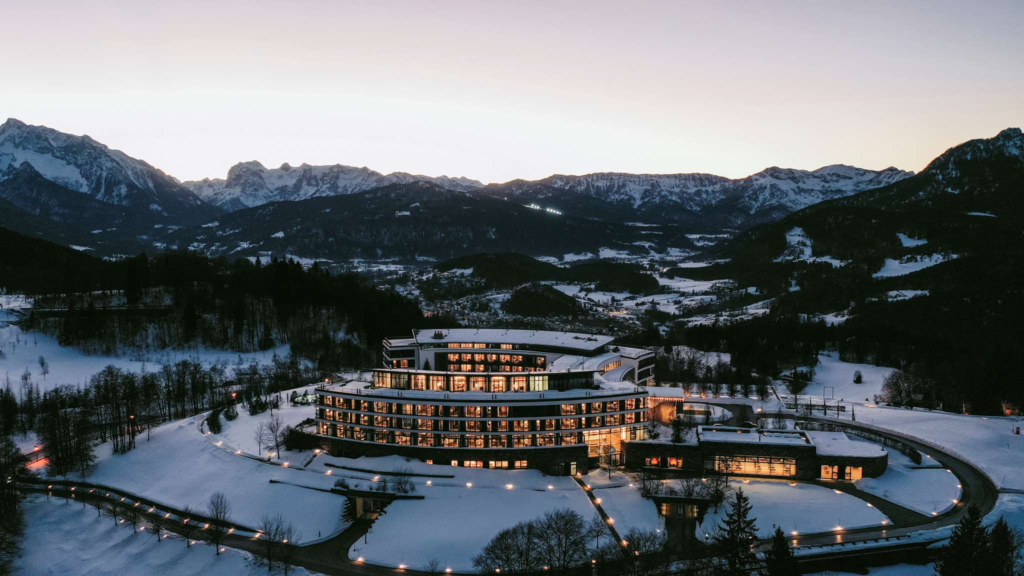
(494, 398)
(555, 401)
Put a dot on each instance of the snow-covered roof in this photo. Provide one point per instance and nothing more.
(628, 352)
(839, 444)
(398, 342)
(752, 435)
(574, 362)
(571, 340)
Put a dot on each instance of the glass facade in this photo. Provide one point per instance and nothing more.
(751, 465)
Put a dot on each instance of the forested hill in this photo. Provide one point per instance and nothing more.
(928, 272)
(183, 299)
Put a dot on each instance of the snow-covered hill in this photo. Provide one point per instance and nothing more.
(81, 164)
(251, 184)
(785, 188)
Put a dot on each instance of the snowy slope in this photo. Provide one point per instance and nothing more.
(64, 539)
(251, 184)
(84, 165)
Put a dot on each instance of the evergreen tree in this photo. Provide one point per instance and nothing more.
(736, 537)
(967, 551)
(779, 559)
(677, 430)
(1004, 550)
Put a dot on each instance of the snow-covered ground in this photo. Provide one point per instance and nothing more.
(621, 500)
(64, 538)
(911, 264)
(71, 366)
(465, 512)
(800, 250)
(988, 442)
(834, 378)
(179, 466)
(802, 508)
(926, 490)
(910, 242)
(238, 434)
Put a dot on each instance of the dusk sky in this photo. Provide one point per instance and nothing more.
(502, 90)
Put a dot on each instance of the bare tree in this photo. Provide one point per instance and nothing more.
(647, 548)
(157, 523)
(188, 527)
(275, 430)
(271, 532)
(262, 437)
(562, 540)
(289, 539)
(218, 510)
(133, 516)
(434, 567)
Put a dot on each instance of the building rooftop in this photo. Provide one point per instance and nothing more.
(752, 435)
(570, 340)
(605, 388)
(839, 444)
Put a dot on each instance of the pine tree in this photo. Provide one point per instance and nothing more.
(736, 537)
(1004, 550)
(779, 559)
(967, 551)
(677, 430)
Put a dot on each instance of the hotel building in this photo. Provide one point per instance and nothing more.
(494, 398)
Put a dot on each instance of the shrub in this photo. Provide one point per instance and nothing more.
(213, 421)
(298, 440)
(231, 412)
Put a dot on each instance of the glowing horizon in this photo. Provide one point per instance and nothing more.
(495, 92)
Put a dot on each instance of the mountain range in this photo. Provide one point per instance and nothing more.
(112, 203)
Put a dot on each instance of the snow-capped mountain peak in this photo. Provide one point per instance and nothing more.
(82, 164)
(251, 184)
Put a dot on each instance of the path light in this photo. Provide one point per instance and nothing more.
(430, 482)
(870, 505)
(401, 566)
(839, 528)
(285, 464)
(794, 533)
(959, 486)
(328, 472)
(625, 543)
(611, 521)
(509, 486)
(231, 530)
(469, 484)
(597, 500)
(935, 513)
(447, 570)
(360, 559)
(631, 484)
(885, 522)
(285, 541)
(550, 487)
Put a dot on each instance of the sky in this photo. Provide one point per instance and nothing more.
(502, 90)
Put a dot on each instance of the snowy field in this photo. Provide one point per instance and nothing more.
(986, 442)
(803, 508)
(926, 490)
(71, 366)
(799, 249)
(179, 466)
(464, 512)
(63, 538)
(838, 376)
(910, 264)
(621, 500)
(238, 435)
